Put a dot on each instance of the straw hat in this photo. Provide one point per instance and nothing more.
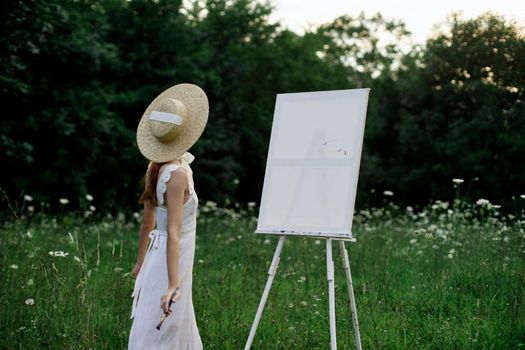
(172, 123)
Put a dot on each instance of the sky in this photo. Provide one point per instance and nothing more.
(418, 15)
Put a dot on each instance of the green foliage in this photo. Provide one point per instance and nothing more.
(456, 109)
(76, 77)
(58, 126)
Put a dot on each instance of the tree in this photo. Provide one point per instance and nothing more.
(462, 113)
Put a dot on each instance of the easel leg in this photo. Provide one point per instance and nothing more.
(331, 292)
(271, 274)
(346, 264)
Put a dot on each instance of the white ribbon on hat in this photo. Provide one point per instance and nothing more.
(171, 118)
(185, 161)
(187, 157)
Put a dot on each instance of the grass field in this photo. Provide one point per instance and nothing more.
(448, 276)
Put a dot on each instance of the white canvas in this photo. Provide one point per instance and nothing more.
(313, 162)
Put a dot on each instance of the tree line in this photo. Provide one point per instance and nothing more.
(76, 77)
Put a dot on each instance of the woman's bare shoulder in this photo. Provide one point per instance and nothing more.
(178, 179)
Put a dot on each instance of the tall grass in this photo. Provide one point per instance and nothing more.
(447, 276)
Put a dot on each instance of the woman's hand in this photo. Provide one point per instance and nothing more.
(136, 269)
(165, 299)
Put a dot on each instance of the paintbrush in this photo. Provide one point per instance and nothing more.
(165, 314)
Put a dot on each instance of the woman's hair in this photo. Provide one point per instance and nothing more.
(149, 196)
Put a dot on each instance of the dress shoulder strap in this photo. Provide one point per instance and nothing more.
(164, 177)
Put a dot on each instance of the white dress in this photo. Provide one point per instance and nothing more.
(179, 330)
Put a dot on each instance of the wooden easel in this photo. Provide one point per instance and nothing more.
(315, 136)
(331, 290)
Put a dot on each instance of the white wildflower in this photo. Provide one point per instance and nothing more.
(136, 215)
(266, 241)
(30, 301)
(31, 208)
(388, 193)
(523, 196)
(482, 202)
(200, 261)
(251, 204)
(29, 234)
(28, 198)
(210, 204)
(413, 240)
(317, 242)
(89, 197)
(440, 205)
(441, 233)
(30, 282)
(58, 253)
(92, 208)
(458, 181)
(14, 266)
(304, 303)
(63, 201)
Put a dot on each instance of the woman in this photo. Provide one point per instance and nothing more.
(170, 126)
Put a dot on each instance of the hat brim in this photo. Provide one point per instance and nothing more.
(191, 128)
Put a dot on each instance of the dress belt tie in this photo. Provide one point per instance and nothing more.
(155, 236)
(153, 244)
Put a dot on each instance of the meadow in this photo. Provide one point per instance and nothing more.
(450, 275)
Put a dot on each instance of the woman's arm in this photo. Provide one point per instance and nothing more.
(175, 202)
(147, 224)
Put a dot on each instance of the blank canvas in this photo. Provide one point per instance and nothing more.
(313, 162)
